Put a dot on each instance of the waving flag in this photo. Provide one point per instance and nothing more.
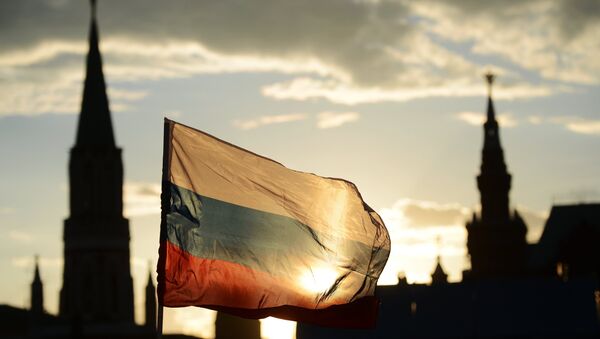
(243, 234)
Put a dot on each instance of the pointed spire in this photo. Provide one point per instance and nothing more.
(37, 291)
(150, 281)
(36, 275)
(491, 114)
(95, 126)
(490, 127)
(439, 276)
(150, 320)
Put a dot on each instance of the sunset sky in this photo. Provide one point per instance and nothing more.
(386, 94)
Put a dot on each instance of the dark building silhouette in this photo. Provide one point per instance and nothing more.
(97, 284)
(496, 239)
(96, 299)
(487, 308)
(570, 244)
(150, 309)
(513, 290)
(37, 293)
(439, 276)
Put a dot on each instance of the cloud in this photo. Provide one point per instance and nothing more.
(580, 126)
(477, 119)
(141, 199)
(53, 89)
(268, 120)
(416, 213)
(420, 231)
(324, 120)
(307, 88)
(335, 119)
(572, 123)
(555, 39)
(344, 51)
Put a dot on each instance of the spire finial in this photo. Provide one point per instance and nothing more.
(149, 270)
(36, 274)
(93, 8)
(490, 77)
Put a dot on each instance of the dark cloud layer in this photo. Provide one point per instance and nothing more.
(347, 35)
(346, 51)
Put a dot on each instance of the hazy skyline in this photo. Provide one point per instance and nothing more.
(387, 94)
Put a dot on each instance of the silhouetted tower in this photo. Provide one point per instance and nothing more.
(439, 276)
(150, 303)
(97, 284)
(494, 181)
(37, 292)
(496, 240)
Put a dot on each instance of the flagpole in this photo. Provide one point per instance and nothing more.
(164, 206)
(159, 328)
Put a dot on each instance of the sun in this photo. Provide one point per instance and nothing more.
(318, 279)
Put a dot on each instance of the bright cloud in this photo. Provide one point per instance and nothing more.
(556, 39)
(141, 199)
(335, 119)
(306, 88)
(268, 120)
(574, 124)
(591, 127)
(477, 119)
(420, 231)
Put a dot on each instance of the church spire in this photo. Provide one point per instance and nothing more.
(95, 126)
(37, 291)
(150, 302)
(494, 180)
(97, 282)
(439, 276)
(492, 137)
(496, 240)
(491, 114)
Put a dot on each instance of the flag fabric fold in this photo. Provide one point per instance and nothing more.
(243, 234)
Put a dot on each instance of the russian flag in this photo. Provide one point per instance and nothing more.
(243, 234)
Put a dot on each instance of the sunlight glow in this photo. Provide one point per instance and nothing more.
(318, 279)
(273, 328)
